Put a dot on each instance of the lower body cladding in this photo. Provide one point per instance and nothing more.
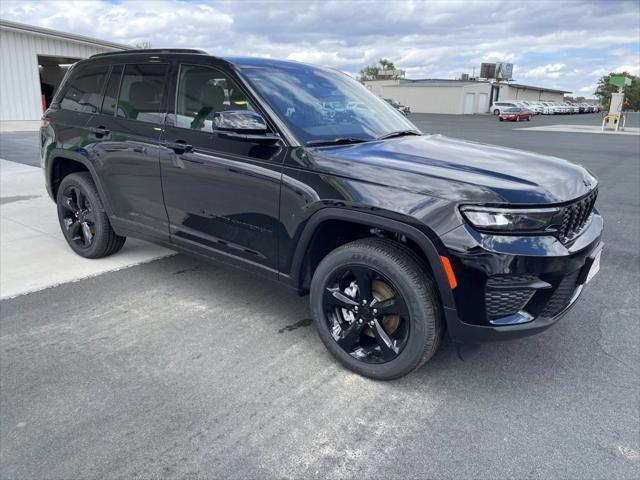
(514, 286)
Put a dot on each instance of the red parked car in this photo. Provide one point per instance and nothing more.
(515, 114)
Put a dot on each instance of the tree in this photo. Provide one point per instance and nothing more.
(631, 92)
(143, 45)
(386, 64)
(371, 72)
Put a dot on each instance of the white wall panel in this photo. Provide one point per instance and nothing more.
(19, 77)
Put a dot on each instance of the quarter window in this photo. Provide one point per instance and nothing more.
(202, 92)
(84, 93)
(141, 93)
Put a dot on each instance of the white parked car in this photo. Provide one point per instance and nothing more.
(527, 105)
(498, 107)
(561, 107)
(573, 108)
(538, 107)
(550, 108)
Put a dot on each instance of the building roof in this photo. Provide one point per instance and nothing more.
(437, 82)
(540, 89)
(45, 32)
(449, 81)
(444, 82)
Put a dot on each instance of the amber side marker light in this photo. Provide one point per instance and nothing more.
(453, 283)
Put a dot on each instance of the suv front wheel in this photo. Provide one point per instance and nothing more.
(83, 220)
(375, 308)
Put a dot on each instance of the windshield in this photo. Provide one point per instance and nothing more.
(321, 104)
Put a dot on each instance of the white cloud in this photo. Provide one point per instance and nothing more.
(551, 70)
(632, 69)
(556, 44)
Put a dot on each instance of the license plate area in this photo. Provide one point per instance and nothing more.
(591, 267)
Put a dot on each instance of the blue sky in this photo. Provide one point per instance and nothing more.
(560, 44)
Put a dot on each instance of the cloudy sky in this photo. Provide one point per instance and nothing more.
(562, 44)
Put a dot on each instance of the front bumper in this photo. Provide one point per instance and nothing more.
(554, 273)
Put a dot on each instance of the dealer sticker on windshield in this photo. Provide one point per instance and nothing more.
(595, 267)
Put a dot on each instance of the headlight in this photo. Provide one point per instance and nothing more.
(511, 219)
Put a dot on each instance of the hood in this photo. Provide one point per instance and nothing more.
(458, 170)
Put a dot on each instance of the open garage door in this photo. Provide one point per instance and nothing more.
(52, 71)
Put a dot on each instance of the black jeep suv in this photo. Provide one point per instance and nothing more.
(397, 235)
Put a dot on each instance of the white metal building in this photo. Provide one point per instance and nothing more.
(33, 60)
(457, 96)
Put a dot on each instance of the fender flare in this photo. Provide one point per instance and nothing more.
(56, 154)
(368, 219)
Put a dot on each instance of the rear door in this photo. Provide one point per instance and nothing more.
(126, 134)
(221, 194)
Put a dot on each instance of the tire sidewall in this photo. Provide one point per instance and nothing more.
(422, 321)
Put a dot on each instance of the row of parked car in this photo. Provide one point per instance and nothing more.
(544, 107)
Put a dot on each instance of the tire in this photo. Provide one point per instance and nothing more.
(83, 220)
(501, 119)
(496, 112)
(415, 333)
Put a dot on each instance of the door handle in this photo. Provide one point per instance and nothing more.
(179, 146)
(99, 131)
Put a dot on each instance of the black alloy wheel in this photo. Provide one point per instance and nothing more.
(367, 317)
(83, 219)
(375, 307)
(78, 217)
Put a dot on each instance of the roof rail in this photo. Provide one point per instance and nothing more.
(152, 50)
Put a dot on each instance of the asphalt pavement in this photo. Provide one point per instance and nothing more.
(178, 369)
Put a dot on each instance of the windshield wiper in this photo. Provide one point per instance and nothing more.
(399, 133)
(334, 141)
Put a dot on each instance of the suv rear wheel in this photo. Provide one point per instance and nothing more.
(375, 308)
(83, 220)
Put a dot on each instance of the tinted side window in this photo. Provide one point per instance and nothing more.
(84, 93)
(203, 91)
(111, 91)
(141, 92)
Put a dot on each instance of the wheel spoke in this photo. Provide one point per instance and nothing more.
(90, 217)
(73, 229)
(350, 336)
(79, 198)
(334, 296)
(364, 278)
(70, 204)
(388, 347)
(391, 306)
(86, 234)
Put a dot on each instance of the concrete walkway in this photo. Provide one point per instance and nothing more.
(581, 129)
(7, 126)
(33, 252)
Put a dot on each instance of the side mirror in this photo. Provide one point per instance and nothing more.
(245, 125)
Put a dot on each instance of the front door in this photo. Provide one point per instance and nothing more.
(221, 194)
(126, 133)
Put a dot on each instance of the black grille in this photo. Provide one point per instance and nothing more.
(498, 280)
(562, 295)
(576, 216)
(501, 302)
